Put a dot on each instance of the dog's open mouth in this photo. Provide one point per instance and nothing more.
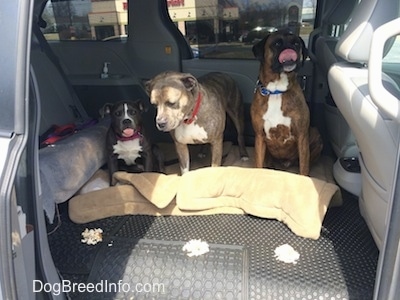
(288, 59)
(128, 132)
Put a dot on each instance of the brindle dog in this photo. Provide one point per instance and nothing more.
(279, 112)
(194, 111)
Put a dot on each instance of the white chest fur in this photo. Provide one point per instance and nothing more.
(274, 115)
(190, 134)
(279, 85)
(129, 151)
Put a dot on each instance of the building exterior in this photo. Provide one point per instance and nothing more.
(108, 18)
(200, 21)
(205, 20)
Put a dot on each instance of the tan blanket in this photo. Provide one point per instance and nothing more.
(298, 201)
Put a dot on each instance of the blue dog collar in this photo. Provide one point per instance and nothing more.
(264, 91)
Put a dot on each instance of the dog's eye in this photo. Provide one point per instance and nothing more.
(278, 43)
(171, 104)
(118, 113)
(131, 112)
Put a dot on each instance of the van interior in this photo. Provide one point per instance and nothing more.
(68, 159)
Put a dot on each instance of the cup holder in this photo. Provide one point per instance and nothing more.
(350, 164)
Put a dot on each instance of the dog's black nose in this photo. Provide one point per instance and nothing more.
(161, 125)
(127, 122)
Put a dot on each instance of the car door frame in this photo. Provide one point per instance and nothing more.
(15, 22)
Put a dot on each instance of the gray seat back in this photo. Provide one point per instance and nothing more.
(69, 163)
(376, 132)
(59, 102)
(322, 51)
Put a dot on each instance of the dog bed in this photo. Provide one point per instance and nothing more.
(68, 164)
(298, 201)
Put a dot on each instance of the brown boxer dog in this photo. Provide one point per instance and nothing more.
(279, 112)
(194, 111)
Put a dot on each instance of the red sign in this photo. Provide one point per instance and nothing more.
(175, 3)
(125, 5)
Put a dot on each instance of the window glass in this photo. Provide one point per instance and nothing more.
(393, 56)
(86, 20)
(213, 28)
(228, 28)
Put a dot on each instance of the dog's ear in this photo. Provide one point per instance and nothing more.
(304, 50)
(105, 110)
(189, 82)
(258, 49)
(147, 86)
(141, 105)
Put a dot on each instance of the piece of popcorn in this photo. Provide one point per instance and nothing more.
(196, 248)
(287, 254)
(92, 236)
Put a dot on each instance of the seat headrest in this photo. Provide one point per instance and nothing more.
(354, 44)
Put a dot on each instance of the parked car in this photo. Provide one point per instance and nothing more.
(116, 38)
(258, 33)
(65, 233)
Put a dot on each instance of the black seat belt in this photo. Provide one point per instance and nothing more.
(77, 108)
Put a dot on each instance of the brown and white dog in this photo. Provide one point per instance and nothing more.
(194, 111)
(279, 112)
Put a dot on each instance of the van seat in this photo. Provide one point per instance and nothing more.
(376, 131)
(69, 163)
(323, 41)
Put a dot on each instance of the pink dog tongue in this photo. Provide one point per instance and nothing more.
(287, 55)
(128, 132)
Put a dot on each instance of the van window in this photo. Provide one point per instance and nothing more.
(213, 28)
(86, 20)
(227, 29)
(393, 56)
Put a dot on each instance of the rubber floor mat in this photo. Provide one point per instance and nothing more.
(341, 264)
(153, 269)
(70, 255)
